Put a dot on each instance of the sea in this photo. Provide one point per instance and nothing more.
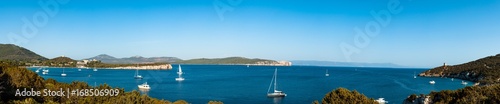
(239, 84)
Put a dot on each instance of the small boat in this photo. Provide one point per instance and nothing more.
(137, 76)
(95, 69)
(451, 79)
(276, 93)
(45, 72)
(248, 65)
(180, 70)
(63, 74)
(381, 101)
(464, 83)
(327, 73)
(432, 82)
(79, 69)
(144, 86)
(180, 74)
(414, 75)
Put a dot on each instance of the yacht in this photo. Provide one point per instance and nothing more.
(45, 72)
(381, 101)
(63, 74)
(144, 86)
(414, 75)
(276, 93)
(180, 74)
(432, 82)
(464, 83)
(327, 73)
(38, 70)
(137, 76)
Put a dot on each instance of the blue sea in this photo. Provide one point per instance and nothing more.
(238, 84)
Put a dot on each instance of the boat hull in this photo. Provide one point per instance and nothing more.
(276, 95)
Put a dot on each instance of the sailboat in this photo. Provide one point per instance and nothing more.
(276, 93)
(95, 69)
(63, 74)
(327, 73)
(38, 70)
(414, 75)
(180, 74)
(137, 76)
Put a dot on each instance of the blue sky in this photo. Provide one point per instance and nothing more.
(425, 33)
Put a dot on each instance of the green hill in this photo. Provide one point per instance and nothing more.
(13, 52)
(485, 70)
(228, 60)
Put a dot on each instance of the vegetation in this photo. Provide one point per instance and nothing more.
(344, 96)
(468, 95)
(14, 77)
(485, 71)
(99, 64)
(16, 53)
(136, 59)
(229, 60)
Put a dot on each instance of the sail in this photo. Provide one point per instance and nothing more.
(180, 70)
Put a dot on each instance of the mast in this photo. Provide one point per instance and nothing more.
(275, 78)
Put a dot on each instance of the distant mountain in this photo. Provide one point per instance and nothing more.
(228, 60)
(135, 59)
(13, 52)
(349, 64)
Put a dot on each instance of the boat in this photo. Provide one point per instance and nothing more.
(95, 69)
(38, 70)
(432, 82)
(144, 86)
(137, 76)
(63, 74)
(79, 69)
(464, 83)
(45, 72)
(180, 74)
(414, 75)
(381, 101)
(180, 70)
(248, 65)
(451, 79)
(275, 93)
(327, 73)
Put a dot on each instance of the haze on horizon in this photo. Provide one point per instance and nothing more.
(423, 33)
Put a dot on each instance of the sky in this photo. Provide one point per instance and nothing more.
(417, 33)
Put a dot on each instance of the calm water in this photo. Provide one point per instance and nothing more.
(242, 84)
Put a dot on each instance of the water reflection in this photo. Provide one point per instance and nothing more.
(277, 100)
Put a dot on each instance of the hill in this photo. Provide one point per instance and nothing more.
(485, 70)
(13, 52)
(228, 60)
(350, 64)
(104, 58)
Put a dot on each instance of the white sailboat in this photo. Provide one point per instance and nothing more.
(144, 86)
(63, 74)
(137, 76)
(180, 74)
(276, 93)
(327, 73)
(414, 75)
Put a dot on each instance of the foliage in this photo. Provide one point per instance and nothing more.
(485, 70)
(344, 96)
(13, 52)
(14, 77)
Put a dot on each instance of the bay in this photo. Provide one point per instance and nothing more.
(248, 85)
